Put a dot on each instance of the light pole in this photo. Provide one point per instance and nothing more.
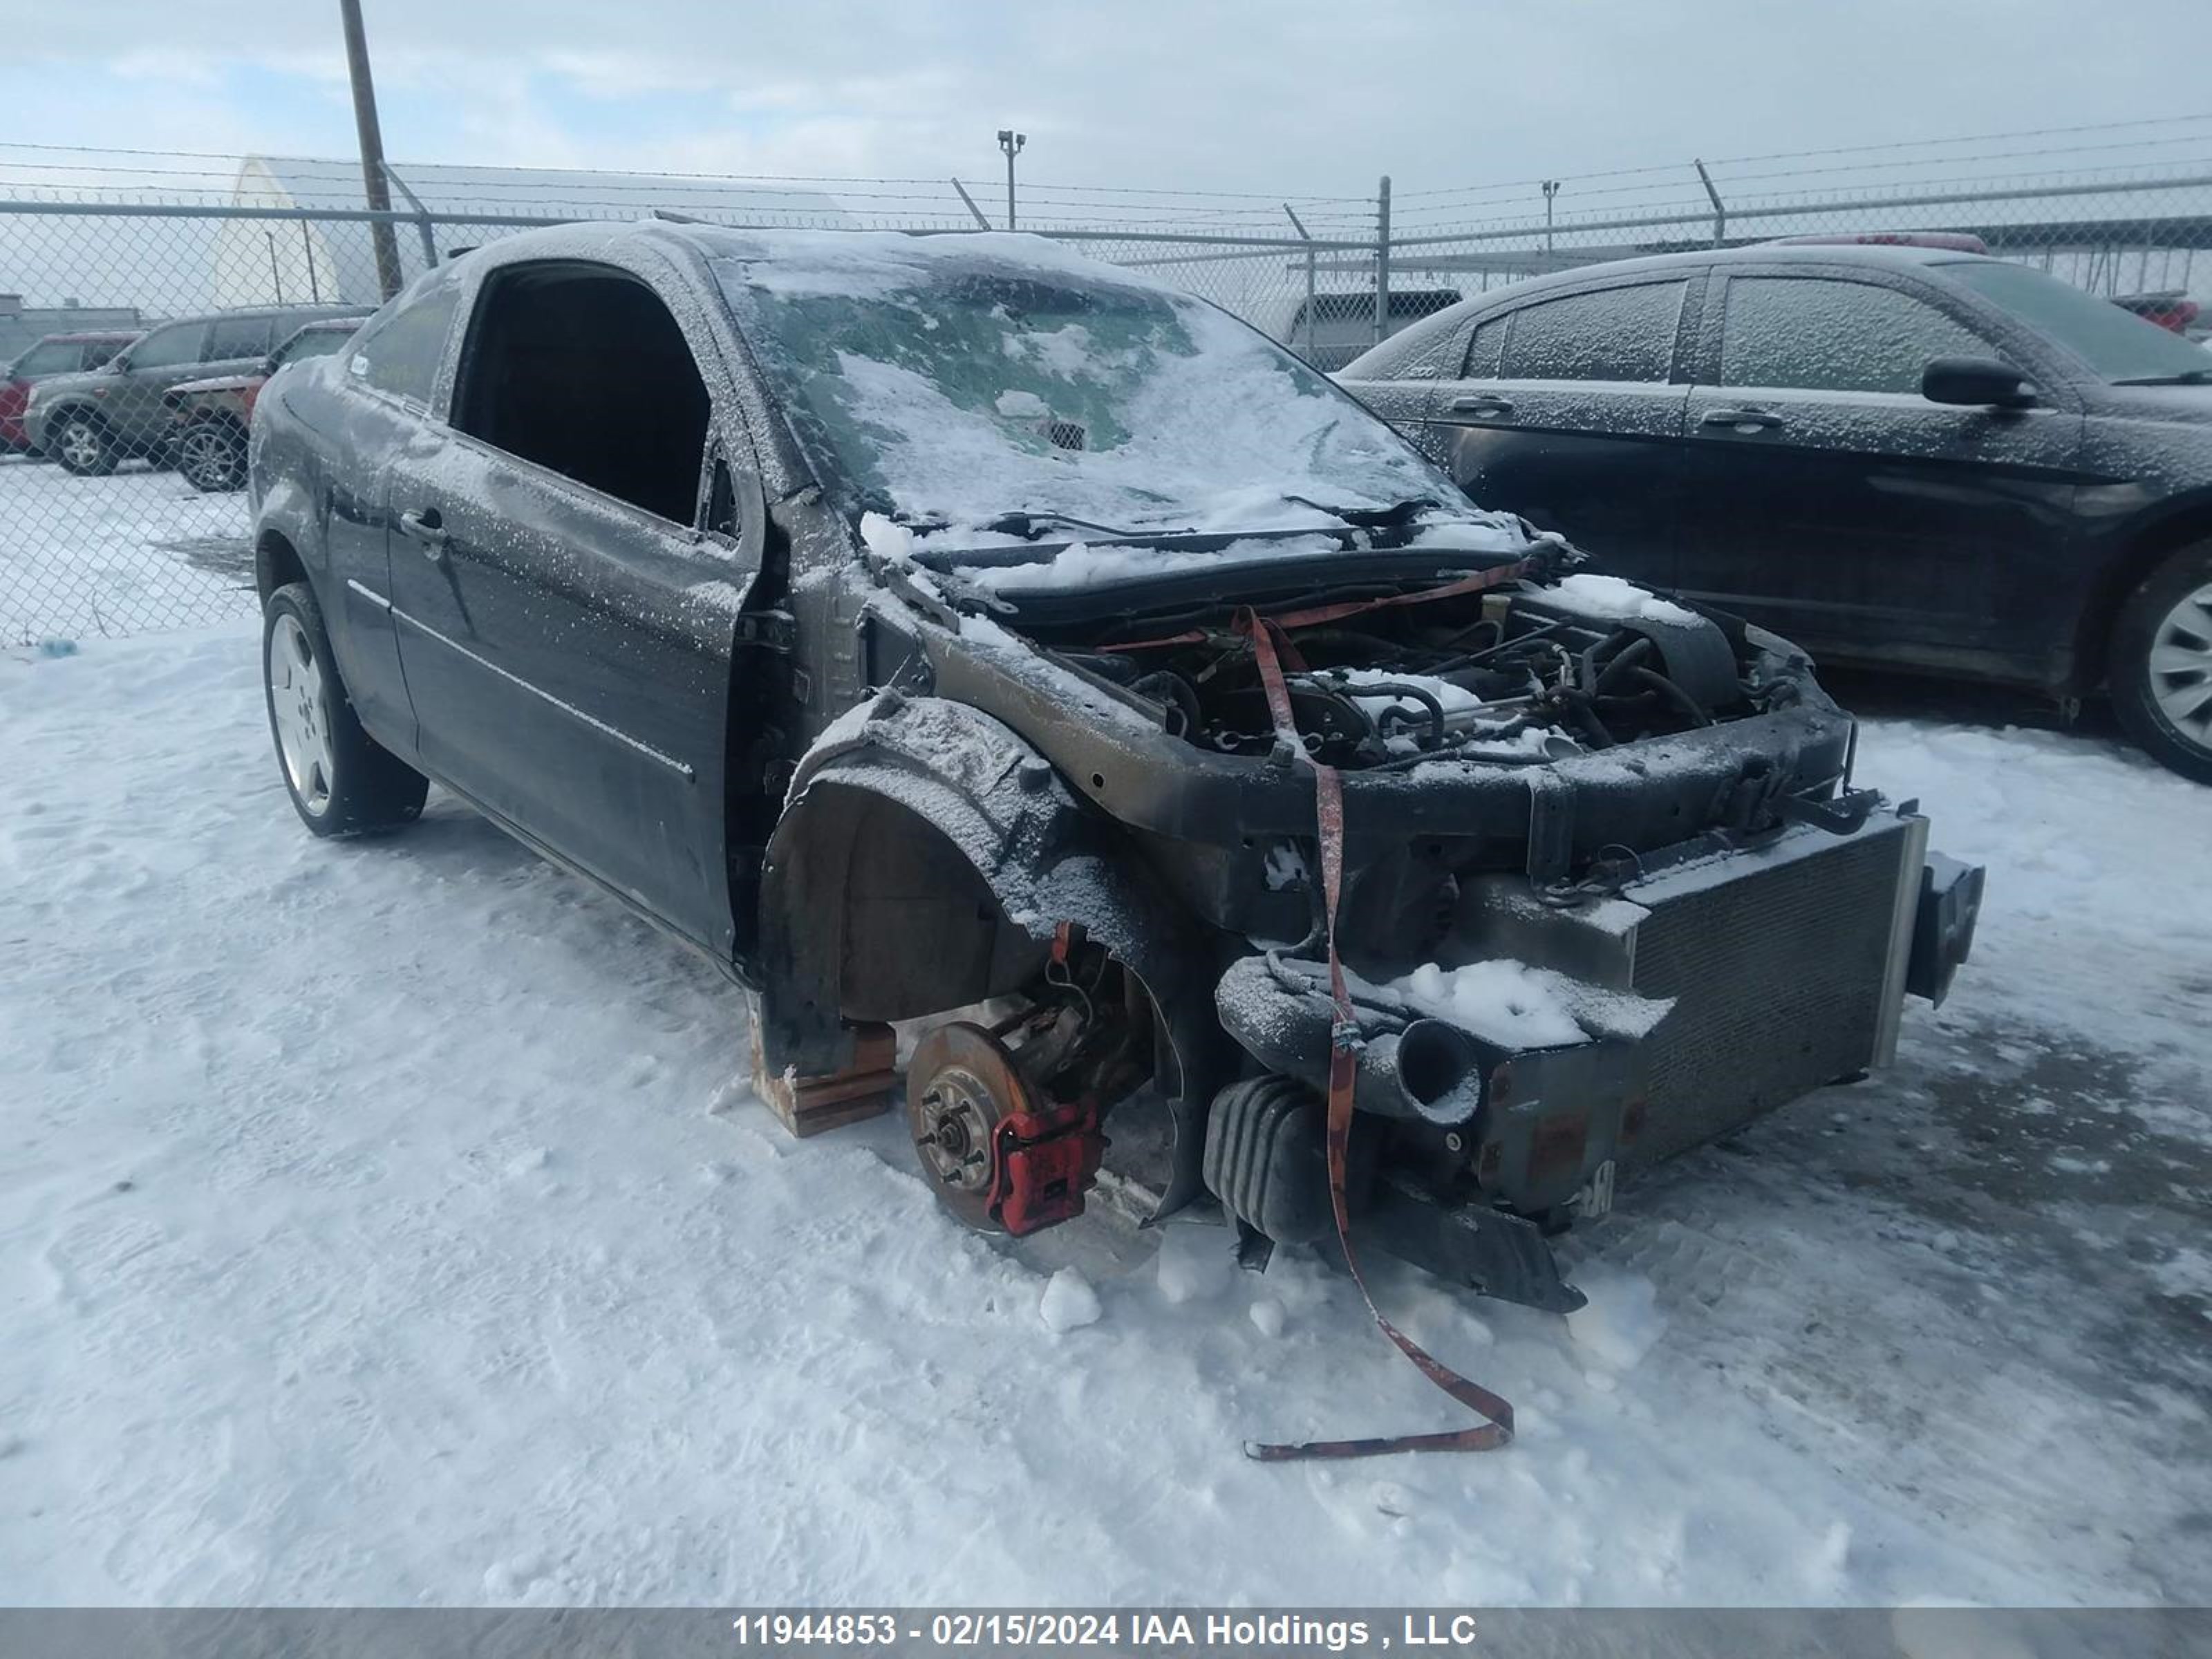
(1550, 189)
(1011, 142)
(372, 148)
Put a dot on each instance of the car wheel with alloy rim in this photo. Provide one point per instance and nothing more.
(82, 444)
(342, 781)
(2161, 663)
(212, 456)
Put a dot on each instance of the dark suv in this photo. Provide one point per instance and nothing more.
(92, 423)
(908, 622)
(1902, 456)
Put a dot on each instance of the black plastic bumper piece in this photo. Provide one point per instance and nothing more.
(1943, 926)
(1486, 1250)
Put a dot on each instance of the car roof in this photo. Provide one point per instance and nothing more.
(305, 313)
(80, 335)
(1879, 254)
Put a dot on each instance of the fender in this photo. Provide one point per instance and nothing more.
(921, 784)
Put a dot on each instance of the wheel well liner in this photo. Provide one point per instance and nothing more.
(275, 562)
(925, 861)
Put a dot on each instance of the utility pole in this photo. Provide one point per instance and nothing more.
(1550, 189)
(372, 148)
(1011, 142)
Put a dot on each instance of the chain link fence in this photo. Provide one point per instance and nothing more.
(121, 502)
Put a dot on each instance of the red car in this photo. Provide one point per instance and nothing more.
(212, 417)
(57, 353)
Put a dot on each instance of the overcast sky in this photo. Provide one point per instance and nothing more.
(1304, 97)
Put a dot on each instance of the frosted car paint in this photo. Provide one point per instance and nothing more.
(1870, 527)
(708, 719)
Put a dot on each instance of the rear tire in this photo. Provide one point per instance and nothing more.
(2160, 664)
(212, 456)
(342, 780)
(82, 445)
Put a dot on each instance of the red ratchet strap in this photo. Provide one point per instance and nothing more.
(1314, 616)
(1269, 648)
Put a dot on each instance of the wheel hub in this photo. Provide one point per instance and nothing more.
(1000, 1158)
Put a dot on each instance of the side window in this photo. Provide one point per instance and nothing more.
(170, 347)
(1822, 334)
(239, 337)
(399, 349)
(97, 352)
(581, 370)
(1614, 334)
(49, 357)
(1426, 351)
(1487, 351)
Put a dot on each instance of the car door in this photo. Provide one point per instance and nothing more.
(130, 401)
(1566, 410)
(1826, 498)
(566, 621)
(375, 406)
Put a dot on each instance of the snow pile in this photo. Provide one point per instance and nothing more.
(1069, 1303)
(1082, 565)
(1453, 699)
(1193, 1264)
(1610, 596)
(1517, 1006)
(1621, 1321)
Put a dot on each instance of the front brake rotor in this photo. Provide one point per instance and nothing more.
(961, 1086)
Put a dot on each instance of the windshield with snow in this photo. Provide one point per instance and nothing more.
(950, 381)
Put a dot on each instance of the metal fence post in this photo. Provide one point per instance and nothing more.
(982, 222)
(421, 216)
(1382, 260)
(1307, 316)
(1720, 211)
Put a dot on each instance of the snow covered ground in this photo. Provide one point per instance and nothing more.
(134, 552)
(388, 1223)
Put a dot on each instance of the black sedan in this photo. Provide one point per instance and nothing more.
(1906, 457)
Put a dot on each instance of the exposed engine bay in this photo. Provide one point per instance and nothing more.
(1526, 676)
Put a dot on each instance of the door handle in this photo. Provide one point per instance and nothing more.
(424, 524)
(1760, 418)
(1481, 403)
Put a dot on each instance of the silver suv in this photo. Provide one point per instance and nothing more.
(93, 421)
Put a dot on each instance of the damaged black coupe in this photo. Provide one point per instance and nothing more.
(951, 630)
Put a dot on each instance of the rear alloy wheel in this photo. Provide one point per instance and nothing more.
(81, 445)
(2162, 664)
(342, 780)
(212, 456)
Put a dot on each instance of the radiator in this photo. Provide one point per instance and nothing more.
(1786, 967)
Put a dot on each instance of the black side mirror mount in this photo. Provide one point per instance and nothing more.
(1976, 383)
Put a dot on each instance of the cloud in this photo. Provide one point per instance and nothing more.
(1309, 96)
